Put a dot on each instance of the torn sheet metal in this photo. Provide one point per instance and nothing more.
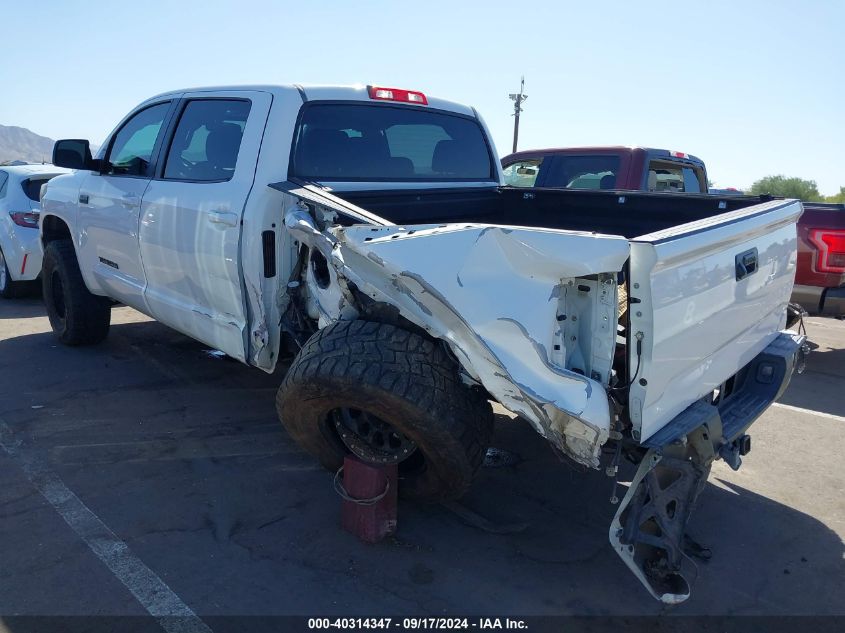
(492, 293)
(259, 330)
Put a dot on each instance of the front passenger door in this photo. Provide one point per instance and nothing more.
(110, 205)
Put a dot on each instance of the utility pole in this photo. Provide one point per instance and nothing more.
(517, 108)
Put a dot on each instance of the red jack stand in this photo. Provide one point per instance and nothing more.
(369, 499)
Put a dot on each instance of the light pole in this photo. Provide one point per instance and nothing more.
(517, 108)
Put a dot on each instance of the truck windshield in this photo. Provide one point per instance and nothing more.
(369, 142)
(522, 173)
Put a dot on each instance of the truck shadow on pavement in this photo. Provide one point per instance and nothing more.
(180, 453)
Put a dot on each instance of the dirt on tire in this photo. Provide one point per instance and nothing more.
(403, 378)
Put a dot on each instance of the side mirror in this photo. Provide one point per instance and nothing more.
(74, 154)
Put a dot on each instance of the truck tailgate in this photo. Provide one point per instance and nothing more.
(706, 298)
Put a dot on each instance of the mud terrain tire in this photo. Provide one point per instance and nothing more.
(403, 378)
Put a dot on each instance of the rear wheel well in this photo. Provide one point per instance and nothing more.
(52, 229)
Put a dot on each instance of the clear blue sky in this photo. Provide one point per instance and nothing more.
(754, 88)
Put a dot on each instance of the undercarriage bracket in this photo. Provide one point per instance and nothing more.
(648, 530)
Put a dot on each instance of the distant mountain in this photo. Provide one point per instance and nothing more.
(18, 143)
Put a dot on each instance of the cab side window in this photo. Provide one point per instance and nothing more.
(132, 147)
(4, 179)
(665, 176)
(674, 177)
(207, 140)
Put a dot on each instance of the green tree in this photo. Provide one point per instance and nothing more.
(839, 197)
(788, 188)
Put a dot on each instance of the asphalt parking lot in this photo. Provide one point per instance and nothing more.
(168, 463)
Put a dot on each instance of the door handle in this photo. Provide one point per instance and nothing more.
(130, 200)
(222, 217)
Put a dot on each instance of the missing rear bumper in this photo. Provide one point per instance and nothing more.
(649, 528)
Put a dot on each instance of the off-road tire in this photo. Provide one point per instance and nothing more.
(76, 316)
(404, 378)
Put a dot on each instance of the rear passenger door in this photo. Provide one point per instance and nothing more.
(191, 216)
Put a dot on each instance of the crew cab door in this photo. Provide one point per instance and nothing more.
(110, 204)
(705, 299)
(191, 216)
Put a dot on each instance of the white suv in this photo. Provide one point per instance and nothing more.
(20, 207)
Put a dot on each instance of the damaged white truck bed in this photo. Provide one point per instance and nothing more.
(409, 289)
(494, 294)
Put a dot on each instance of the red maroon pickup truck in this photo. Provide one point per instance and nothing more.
(633, 168)
(820, 279)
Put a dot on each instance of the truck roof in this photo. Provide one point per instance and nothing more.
(603, 149)
(356, 92)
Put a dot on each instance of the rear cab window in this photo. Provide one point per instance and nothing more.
(583, 172)
(368, 142)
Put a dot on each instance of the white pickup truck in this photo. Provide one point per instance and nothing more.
(363, 235)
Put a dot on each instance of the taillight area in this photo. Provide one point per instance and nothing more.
(28, 219)
(831, 250)
(396, 94)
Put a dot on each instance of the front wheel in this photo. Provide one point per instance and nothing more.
(76, 316)
(387, 396)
